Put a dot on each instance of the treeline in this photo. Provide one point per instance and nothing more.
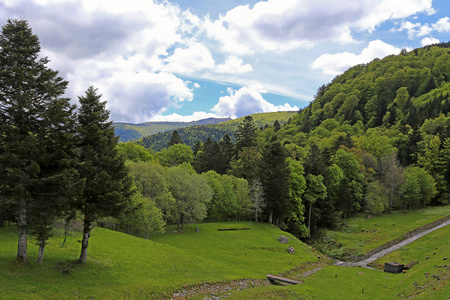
(128, 131)
(215, 132)
(58, 161)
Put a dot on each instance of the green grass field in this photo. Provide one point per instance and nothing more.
(123, 266)
(334, 282)
(361, 234)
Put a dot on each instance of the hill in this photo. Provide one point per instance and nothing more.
(130, 131)
(191, 135)
(122, 266)
(404, 89)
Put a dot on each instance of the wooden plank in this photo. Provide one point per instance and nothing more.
(273, 278)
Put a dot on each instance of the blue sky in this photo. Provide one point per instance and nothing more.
(184, 60)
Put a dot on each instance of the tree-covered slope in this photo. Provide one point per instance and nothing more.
(403, 89)
(191, 135)
(129, 131)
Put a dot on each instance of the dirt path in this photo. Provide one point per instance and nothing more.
(222, 290)
(374, 257)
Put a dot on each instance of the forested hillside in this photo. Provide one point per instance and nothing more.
(375, 139)
(129, 131)
(190, 135)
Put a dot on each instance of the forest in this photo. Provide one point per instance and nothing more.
(375, 139)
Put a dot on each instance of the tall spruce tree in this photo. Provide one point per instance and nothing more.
(245, 134)
(108, 183)
(175, 138)
(274, 175)
(35, 134)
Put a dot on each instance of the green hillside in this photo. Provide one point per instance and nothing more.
(429, 279)
(191, 135)
(129, 131)
(123, 266)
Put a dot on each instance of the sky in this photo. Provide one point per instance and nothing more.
(185, 60)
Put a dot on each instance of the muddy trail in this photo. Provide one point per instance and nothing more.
(381, 253)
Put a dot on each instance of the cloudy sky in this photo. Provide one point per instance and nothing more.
(185, 60)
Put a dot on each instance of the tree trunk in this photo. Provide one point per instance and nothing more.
(270, 216)
(309, 220)
(85, 240)
(41, 251)
(22, 224)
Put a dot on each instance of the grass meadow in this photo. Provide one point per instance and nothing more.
(428, 279)
(123, 266)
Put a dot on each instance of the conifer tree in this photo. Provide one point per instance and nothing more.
(246, 134)
(274, 175)
(108, 184)
(35, 134)
(175, 138)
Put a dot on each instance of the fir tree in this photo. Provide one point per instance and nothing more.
(108, 184)
(35, 134)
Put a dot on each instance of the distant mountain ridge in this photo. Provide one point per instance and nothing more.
(131, 131)
(190, 135)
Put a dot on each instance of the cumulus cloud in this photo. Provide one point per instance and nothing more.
(429, 41)
(334, 64)
(233, 65)
(442, 25)
(246, 101)
(197, 115)
(186, 61)
(419, 30)
(280, 25)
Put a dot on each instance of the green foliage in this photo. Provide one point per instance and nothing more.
(295, 219)
(37, 154)
(128, 131)
(190, 135)
(108, 184)
(191, 193)
(419, 187)
(175, 155)
(150, 180)
(134, 152)
(274, 176)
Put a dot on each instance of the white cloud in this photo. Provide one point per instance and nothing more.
(186, 61)
(233, 65)
(442, 25)
(334, 64)
(281, 25)
(429, 41)
(419, 30)
(197, 115)
(246, 101)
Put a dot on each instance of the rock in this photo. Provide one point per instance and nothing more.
(197, 229)
(282, 239)
(291, 250)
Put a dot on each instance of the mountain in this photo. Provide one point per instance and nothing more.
(190, 135)
(130, 131)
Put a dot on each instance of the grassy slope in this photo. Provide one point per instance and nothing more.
(362, 234)
(124, 266)
(350, 282)
(376, 284)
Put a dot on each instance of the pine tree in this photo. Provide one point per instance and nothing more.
(175, 138)
(108, 184)
(35, 133)
(246, 134)
(274, 176)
